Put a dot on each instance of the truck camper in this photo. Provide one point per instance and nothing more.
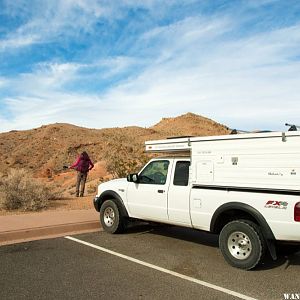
(244, 187)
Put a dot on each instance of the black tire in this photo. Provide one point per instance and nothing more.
(242, 244)
(111, 218)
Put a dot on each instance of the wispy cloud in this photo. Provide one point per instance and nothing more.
(18, 41)
(50, 21)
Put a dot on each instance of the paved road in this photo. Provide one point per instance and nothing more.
(64, 269)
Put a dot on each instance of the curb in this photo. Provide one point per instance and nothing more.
(47, 232)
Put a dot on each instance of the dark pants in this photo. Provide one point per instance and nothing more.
(81, 179)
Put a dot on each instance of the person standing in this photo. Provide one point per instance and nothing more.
(82, 165)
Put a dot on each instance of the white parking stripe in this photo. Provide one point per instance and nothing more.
(140, 262)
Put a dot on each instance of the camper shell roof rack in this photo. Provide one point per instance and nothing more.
(185, 143)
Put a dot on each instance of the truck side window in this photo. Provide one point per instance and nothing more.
(155, 173)
(181, 176)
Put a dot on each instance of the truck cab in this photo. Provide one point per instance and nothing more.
(156, 193)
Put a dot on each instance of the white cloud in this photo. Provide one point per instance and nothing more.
(32, 112)
(18, 41)
(49, 77)
(91, 7)
(116, 65)
(46, 77)
(48, 21)
(3, 82)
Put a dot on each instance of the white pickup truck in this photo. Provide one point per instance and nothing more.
(245, 187)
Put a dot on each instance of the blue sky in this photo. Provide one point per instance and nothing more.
(109, 63)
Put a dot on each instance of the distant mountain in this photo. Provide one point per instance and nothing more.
(46, 149)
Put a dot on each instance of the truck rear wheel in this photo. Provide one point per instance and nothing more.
(242, 244)
(111, 218)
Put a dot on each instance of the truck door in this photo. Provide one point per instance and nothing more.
(147, 199)
(179, 194)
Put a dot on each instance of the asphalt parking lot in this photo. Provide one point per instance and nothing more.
(147, 262)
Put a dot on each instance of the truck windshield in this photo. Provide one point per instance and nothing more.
(155, 173)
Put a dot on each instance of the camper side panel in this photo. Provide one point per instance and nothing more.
(266, 163)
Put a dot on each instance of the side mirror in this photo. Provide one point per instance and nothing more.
(133, 177)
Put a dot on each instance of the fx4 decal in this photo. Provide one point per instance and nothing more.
(276, 204)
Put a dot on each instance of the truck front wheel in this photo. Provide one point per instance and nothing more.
(242, 244)
(111, 218)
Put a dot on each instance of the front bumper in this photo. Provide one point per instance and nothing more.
(96, 202)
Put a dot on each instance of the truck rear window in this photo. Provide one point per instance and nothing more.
(181, 176)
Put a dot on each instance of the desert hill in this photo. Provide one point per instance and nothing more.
(46, 149)
(189, 125)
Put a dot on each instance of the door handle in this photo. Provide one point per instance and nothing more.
(161, 191)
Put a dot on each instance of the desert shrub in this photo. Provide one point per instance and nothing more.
(124, 155)
(20, 190)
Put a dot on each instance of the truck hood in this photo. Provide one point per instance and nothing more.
(113, 185)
